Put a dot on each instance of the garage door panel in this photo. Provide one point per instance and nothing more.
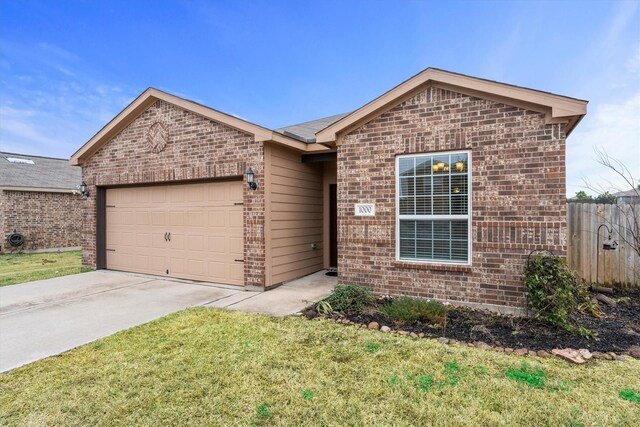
(196, 243)
(217, 269)
(196, 219)
(236, 246)
(195, 193)
(158, 218)
(196, 267)
(236, 273)
(216, 244)
(142, 217)
(234, 219)
(158, 194)
(205, 224)
(176, 265)
(235, 193)
(175, 194)
(157, 240)
(176, 218)
(158, 264)
(218, 195)
(144, 240)
(142, 262)
(216, 218)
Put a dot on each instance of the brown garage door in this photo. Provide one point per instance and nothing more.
(190, 231)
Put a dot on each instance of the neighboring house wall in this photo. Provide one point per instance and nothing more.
(197, 149)
(629, 200)
(48, 220)
(294, 212)
(518, 196)
(3, 243)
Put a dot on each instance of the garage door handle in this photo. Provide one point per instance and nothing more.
(165, 237)
(238, 260)
(169, 236)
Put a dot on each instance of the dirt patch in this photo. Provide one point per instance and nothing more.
(616, 331)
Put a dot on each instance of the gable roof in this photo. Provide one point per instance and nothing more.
(558, 108)
(306, 131)
(634, 192)
(36, 172)
(317, 135)
(150, 96)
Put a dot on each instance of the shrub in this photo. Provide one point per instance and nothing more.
(349, 299)
(412, 310)
(555, 292)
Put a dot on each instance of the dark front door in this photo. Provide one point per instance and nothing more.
(333, 225)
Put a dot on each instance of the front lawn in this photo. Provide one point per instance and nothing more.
(215, 367)
(20, 268)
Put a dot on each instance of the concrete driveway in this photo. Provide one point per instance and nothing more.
(47, 317)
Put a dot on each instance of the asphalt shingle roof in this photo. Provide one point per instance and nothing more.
(307, 131)
(628, 193)
(45, 172)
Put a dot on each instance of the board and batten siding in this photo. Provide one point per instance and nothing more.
(293, 214)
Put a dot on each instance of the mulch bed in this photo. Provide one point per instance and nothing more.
(616, 331)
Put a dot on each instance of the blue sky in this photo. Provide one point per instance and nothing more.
(68, 67)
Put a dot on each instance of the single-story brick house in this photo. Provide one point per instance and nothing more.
(38, 201)
(438, 188)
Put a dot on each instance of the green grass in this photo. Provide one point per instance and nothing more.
(215, 367)
(630, 395)
(20, 268)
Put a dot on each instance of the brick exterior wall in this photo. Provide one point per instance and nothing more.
(47, 220)
(196, 149)
(518, 196)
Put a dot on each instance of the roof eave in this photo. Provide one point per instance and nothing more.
(151, 95)
(557, 107)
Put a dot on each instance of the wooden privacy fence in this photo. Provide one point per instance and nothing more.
(620, 267)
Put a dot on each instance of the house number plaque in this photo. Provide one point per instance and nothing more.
(365, 209)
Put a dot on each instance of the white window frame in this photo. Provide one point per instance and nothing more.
(435, 217)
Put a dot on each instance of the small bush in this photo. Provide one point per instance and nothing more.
(323, 307)
(555, 292)
(349, 299)
(413, 310)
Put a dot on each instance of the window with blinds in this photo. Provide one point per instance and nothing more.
(433, 207)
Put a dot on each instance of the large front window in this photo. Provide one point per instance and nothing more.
(433, 204)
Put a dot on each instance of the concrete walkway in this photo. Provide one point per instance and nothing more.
(47, 317)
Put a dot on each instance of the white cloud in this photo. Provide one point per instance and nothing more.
(633, 64)
(58, 51)
(52, 114)
(615, 128)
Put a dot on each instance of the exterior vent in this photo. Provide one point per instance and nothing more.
(19, 160)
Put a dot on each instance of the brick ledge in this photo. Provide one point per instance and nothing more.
(432, 267)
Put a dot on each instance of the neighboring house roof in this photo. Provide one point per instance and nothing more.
(307, 131)
(628, 193)
(558, 109)
(37, 173)
(151, 95)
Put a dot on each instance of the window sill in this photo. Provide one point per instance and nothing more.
(432, 267)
